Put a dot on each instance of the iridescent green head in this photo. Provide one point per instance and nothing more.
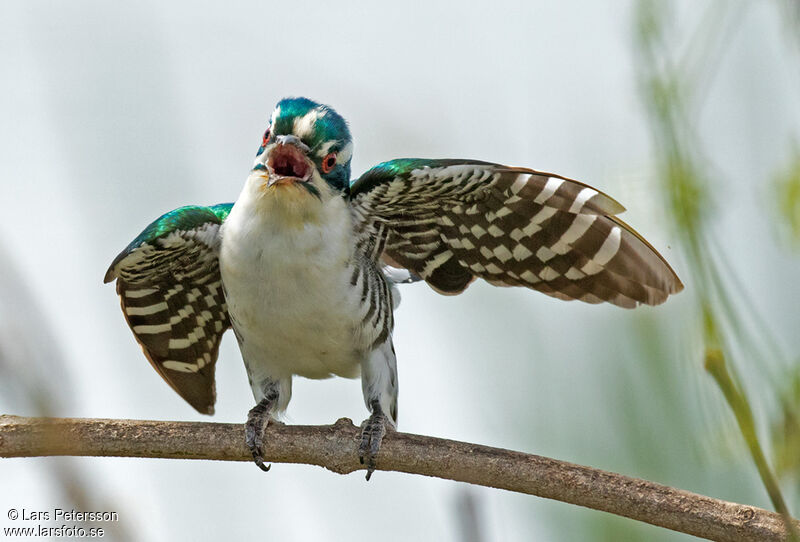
(303, 134)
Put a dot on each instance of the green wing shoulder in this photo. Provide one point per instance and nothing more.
(402, 167)
(182, 219)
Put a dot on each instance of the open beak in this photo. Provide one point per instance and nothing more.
(287, 163)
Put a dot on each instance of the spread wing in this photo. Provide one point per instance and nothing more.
(169, 285)
(450, 221)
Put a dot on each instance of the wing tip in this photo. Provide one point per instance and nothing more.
(615, 207)
(207, 410)
(201, 395)
(110, 275)
(204, 404)
(600, 202)
(673, 287)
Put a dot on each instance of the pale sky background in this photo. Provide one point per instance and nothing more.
(113, 113)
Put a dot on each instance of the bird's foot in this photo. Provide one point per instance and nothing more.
(257, 421)
(372, 432)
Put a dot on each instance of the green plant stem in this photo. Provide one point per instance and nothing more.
(716, 366)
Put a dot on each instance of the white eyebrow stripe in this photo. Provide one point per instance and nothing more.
(303, 126)
(345, 154)
(325, 147)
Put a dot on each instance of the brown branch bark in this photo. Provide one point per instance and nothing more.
(334, 447)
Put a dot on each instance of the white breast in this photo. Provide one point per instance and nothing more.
(285, 266)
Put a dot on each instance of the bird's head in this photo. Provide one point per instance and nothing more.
(306, 144)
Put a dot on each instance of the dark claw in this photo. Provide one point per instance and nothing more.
(371, 437)
(257, 420)
(260, 462)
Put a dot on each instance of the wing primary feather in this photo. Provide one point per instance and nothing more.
(449, 221)
(170, 291)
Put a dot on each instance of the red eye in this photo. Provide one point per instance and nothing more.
(329, 162)
(264, 141)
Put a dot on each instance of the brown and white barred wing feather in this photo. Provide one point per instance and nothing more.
(451, 221)
(172, 298)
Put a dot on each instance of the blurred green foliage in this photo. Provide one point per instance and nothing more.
(786, 428)
(675, 59)
(787, 193)
(670, 87)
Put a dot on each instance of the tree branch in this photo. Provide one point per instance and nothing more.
(335, 448)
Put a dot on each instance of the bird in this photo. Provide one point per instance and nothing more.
(305, 265)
